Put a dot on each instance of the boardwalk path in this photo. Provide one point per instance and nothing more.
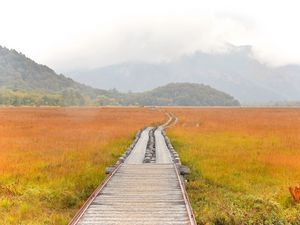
(140, 193)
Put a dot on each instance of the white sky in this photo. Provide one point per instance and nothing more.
(68, 35)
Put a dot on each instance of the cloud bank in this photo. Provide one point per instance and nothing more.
(70, 35)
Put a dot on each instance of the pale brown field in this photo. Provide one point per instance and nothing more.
(243, 162)
(51, 159)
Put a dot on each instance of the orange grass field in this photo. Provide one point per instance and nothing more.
(243, 162)
(51, 159)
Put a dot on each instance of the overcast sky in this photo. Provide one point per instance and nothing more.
(68, 35)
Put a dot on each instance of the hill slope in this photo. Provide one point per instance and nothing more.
(235, 72)
(181, 94)
(19, 72)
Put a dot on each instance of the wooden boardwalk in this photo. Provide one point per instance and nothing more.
(138, 193)
(138, 153)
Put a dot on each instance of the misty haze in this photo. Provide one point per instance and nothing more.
(236, 72)
(135, 112)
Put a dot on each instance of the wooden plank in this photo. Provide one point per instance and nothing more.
(154, 198)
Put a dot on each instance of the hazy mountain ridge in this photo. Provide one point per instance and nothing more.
(236, 72)
(24, 82)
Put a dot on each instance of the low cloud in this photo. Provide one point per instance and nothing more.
(69, 35)
(154, 41)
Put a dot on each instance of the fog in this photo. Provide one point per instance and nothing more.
(71, 35)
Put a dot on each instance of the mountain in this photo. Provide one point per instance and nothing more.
(235, 72)
(19, 72)
(181, 94)
(24, 82)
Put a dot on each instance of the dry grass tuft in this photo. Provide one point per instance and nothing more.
(295, 192)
